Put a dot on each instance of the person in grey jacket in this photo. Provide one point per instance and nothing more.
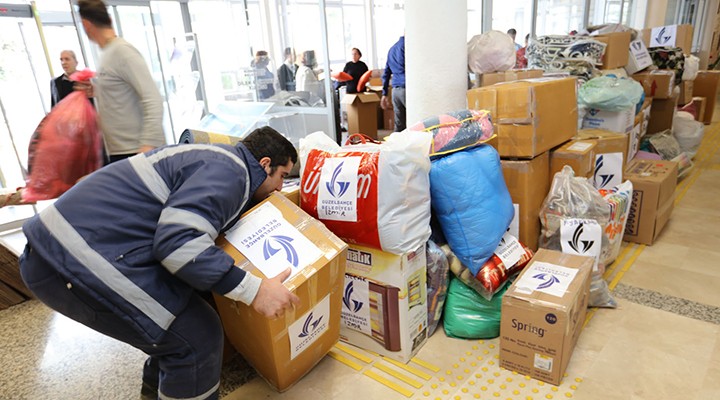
(129, 249)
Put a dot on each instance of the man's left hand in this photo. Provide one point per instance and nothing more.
(145, 148)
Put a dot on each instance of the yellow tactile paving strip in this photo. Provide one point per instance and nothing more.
(474, 373)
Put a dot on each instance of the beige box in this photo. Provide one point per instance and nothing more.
(638, 57)
(528, 184)
(507, 76)
(686, 92)
(531, 116)
(615, 121)
(682, 38)
(361, 109)
(283, 350)
(579, 155)
(616, 52)
(385, 302)
(658, 84)
(662, 114)
(654, 185)
(706, 85)
(543, 313)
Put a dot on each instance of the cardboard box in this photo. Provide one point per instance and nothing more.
(579, 155)
(615, 121)
(529, 183)
(606, 141)
(507, 76)
(662, 114)
(531, 116)
(543, 313)
(686, 92)
(616, 52)
(638, 57)
(284, 349)
(658, 84)
(706, 85)
(654, 185)
(385, 302)
(361, 113)
(669, 36)
(700, 105)
(611, 155)
(291, 190)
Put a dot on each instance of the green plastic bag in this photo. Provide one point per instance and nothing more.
(468, 315)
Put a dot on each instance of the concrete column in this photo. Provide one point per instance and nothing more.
(435, 57)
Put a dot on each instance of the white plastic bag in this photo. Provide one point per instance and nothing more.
(692, 66)
(492, 51)
(688, 132)
(372, 194)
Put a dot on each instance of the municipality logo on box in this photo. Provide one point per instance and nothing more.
(309, 328)
(547, 278)
(356, 304)
(338, 189)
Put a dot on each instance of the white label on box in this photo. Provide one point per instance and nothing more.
(582, 237)
(356, 304)
(337, 189)
(616, 121)
(509, 250)
(271, 243)
(543, 362)
(547, 278)
(662, 36)
(608, 170)
(514, 228)
(639, 57)
(311, 326)
(580, 146)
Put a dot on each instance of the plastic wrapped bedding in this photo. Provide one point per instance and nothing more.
(438, 278)
(472, 203)
(469, 315)
(456, 130)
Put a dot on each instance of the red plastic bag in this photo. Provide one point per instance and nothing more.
(66, 146)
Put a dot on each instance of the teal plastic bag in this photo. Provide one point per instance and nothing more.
(468, 315)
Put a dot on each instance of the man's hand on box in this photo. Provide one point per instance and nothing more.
(273, 297)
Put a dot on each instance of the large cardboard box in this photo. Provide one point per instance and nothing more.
(616, 52)
(654, 185)
(543, 313)
(662, 114)
(277, 234)
(686, 92)
(507, 76)
(638, 57)
(532, 116)
(361, 113)
(700, 105)
(658, 84)
(579, 155)
(615, 121)
(385, 302)
(669, 36)
(528, 182)
(613, 147)
(706, 85)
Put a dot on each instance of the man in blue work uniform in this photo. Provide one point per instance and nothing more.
(127, 250)
(395, 67)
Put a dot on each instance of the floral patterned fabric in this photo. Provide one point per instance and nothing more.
(578, 55)
(669, 58)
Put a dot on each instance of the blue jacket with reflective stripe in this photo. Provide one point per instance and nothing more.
(139, 234)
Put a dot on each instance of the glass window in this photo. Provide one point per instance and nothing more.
(612, 11)
(355, 22)
(559, 17)
(513, 14)
(474, 17)
(388, 26)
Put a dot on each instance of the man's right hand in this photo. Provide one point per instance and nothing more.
(273, 297)
(86, 87)
(384, 103)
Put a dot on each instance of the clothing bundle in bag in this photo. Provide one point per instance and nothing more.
(471, 202)
(610, 93)
(456, 130)
(492, 51)
(669, 58)
(574, 217)
(618, 199)
(438, 278)
(688, 132)
(577, 55)
(66, 145)
(372, 194)
(468, 315)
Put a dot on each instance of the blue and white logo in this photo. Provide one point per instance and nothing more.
(593, 111)
(661, 37)
(343, 185)
(350, 304)
(601, 180)
(580, 246)
(548, 280)
(309, 326)
(284, 242)
(637, 45)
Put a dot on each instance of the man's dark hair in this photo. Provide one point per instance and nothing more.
(288, 51)
(95, 11)
(512, 31)
(267, 142)
(358, 50)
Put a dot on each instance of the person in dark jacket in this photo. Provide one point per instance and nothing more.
(264, 79)
(354, 68)
(286, 72)
(62, 85)
(395, 68)
(129, 249)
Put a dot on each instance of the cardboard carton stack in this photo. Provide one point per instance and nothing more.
(654, 185)
(531, 117)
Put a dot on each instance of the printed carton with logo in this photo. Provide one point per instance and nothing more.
(528, 183)
(579, 155)
(638, 58)
(384, 307)
(615, 121)
(654, 185)
(531, 116)
(543, 312)
(669, 36)
(272, 236)
(611, 155)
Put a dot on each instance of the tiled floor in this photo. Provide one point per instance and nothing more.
(662, 342)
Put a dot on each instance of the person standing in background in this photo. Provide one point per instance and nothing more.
(264, 79)
(512, 33)
(354, 68)
(395, 68)
(286, 72)
(520, 59)
(62, 85)
(130, 107)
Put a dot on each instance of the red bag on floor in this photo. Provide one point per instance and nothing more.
(66, 146)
